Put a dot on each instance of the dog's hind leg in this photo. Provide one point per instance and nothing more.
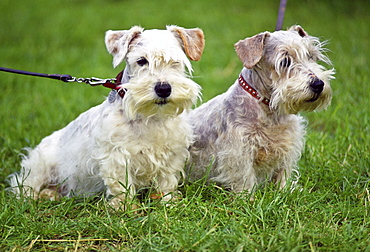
(38, 169)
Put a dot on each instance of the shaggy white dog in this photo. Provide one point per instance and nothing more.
(136, 138)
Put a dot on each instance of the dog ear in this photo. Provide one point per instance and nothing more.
(299, 29)
(118, 42)
(250, 50)
(192, 40)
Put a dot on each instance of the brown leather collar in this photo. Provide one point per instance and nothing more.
(121, 91)
(252, 91)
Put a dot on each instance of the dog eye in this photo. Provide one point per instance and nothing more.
(312, 57)
(142, 61)
(175, 64)
(286, 62)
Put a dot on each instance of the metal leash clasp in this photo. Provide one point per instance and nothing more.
(93, 81)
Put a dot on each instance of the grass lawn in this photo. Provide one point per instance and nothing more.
(330, 209)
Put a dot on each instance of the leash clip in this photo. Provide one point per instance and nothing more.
(93, 81)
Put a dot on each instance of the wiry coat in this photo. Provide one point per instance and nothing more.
(241, 141)
(127, 143)
(242, 144)
(75, 162)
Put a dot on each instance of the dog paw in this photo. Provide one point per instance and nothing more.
(123, 204)
(49, 194)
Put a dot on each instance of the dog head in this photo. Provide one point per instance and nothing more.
(155, 76)
(285, 69)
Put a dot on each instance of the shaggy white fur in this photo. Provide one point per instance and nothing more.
(137, 141)
(252, 133)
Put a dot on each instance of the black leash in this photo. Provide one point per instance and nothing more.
(62, 77)
(93, 81)
(280, 19)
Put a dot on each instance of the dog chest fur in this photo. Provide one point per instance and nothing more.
(245, 139)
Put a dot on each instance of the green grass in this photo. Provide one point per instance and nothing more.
(330, 209)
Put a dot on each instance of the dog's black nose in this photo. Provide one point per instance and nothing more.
(162, 89)
(317, 85)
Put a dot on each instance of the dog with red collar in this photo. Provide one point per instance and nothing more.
(253, 132)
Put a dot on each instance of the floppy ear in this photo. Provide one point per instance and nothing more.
(298, 29)
(192, 40)
(250, 50)
(118, 42)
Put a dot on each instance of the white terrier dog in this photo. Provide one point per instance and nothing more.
(252, 133)
(137, 137)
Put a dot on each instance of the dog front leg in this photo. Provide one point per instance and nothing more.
(167, 187)
(280, 178)
(119, 185)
